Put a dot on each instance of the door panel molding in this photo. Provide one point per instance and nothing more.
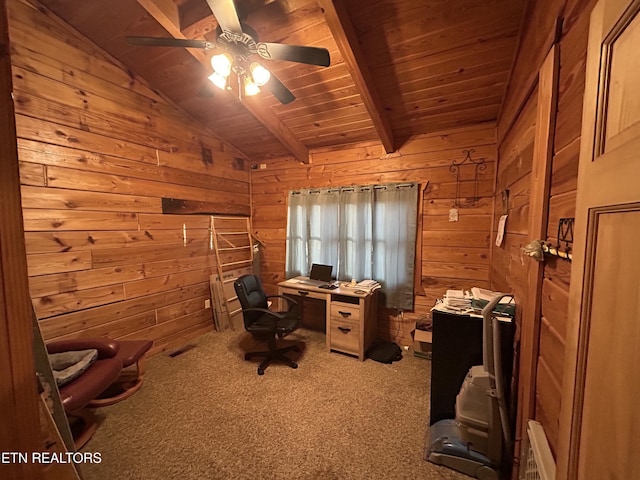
(607, 185)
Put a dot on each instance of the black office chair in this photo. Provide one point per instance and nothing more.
(265, 324)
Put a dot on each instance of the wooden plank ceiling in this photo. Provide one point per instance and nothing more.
(399, 68)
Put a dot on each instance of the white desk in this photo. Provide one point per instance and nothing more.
(351, 318)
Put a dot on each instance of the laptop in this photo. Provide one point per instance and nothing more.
(320, 275)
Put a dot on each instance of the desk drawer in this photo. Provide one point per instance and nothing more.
(346, 311)
(345, 335)
(302, 293)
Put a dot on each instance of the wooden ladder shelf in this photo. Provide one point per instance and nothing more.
(233, 246)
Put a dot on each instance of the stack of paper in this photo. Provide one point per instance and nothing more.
(482, 294)
(480, 298)
(487, 295)
(368, 285)
(457, 299)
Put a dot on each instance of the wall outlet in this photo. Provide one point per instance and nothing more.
(207, 303)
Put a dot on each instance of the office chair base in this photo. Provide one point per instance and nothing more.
(273, 355)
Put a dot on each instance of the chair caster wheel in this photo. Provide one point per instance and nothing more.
(260, 371)
(294, 365)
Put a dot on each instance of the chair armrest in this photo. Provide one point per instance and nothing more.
(264, 310)
(106, 348)
(292, 302)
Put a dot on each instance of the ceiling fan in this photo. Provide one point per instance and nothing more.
(238, 43)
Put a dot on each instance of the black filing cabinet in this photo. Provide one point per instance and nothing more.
(456, 347)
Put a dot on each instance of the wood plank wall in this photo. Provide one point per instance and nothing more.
(514, 128)
(451, 255)
(98, 151)
(515, 153)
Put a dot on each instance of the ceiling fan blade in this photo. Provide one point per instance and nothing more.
(170, 42)
(294, 53)
(226, 15)
(277, 88)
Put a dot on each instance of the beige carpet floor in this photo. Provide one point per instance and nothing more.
(206, 414)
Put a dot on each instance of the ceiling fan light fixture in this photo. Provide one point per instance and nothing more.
(221, 64)
(250, 88)
(260, 74)
(237, 42)
(218, 80)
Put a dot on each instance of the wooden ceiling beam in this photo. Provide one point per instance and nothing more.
(167, 14)
(193, 12)
(267, 117)
(337, 18)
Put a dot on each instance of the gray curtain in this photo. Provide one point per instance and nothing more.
(356, 233)
(395, 220)
(312, 230)
(297, 235)
(363, 231)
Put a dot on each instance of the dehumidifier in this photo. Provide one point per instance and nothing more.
(472, 443)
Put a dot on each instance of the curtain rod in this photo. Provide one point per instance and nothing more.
(347, 188)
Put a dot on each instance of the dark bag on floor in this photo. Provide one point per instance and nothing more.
(385, 352)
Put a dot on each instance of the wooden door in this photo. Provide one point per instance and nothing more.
(19, 402)
(600, 419)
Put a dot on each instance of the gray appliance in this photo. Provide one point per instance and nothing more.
(474, 441)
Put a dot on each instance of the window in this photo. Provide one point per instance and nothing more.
(364, 232)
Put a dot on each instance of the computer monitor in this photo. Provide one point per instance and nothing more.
(321, 272)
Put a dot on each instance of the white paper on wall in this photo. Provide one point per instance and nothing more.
(501, 224)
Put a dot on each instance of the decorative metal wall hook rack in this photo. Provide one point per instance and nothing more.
(565, 232)
(480, 166)
(537, 248)
(551, 250)
(565, 240)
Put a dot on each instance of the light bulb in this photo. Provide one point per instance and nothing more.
(260, 74)
(250, 88)
(221, 64)
(218, 80)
